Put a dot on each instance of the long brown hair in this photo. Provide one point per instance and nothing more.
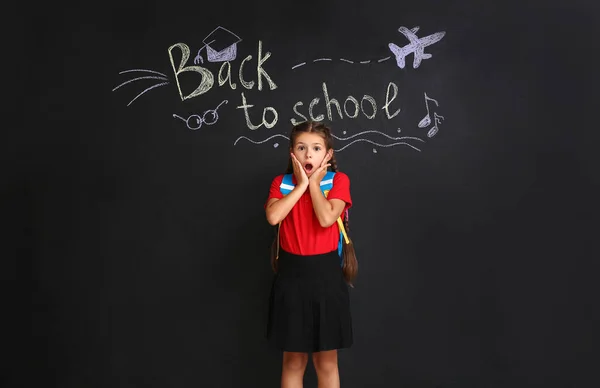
(350, 263)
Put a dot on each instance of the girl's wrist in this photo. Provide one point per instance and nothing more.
(302, 186)
(315, 183)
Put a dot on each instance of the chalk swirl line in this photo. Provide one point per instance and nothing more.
(350, 137)
(378, 132)
(259, 142)
(377, 144)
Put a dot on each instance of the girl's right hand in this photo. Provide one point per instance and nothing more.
(299, 173)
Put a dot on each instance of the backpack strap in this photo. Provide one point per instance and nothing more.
(327, 182)
(287, 184)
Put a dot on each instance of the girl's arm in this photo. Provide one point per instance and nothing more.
(277, 209)
(327, 210)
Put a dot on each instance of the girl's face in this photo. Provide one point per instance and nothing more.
(310, 151)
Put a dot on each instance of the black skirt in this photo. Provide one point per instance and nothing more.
(309, 307)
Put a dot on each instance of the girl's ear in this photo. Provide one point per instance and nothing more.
(330, 154)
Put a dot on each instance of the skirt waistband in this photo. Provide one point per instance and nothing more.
(283, 253)
(309, 265)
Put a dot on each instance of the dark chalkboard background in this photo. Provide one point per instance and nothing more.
(141, 245)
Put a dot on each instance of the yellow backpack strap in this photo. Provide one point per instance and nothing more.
(342, 229)
(278, 227)
(339, 221)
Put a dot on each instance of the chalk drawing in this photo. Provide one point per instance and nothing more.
(377, 144)
(163, 77)
(415, 46)
(262, 141)
(425, 121)
(209, 117)
(394, 140)
(220, 45)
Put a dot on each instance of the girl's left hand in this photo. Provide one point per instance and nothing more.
(320, 172)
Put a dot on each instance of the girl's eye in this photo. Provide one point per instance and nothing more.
(317, 148)
(300, 148)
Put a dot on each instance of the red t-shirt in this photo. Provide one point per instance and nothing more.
(300, 232)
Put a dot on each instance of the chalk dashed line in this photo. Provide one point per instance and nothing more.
(341, 59)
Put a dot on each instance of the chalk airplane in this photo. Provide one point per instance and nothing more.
(417, 46)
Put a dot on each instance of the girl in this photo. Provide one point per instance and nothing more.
(309, 307)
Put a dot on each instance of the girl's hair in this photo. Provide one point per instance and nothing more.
(350, 266)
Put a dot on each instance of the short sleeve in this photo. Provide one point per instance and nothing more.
(275, 191)
(341, 189)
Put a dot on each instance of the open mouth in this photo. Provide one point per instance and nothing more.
(308, 167)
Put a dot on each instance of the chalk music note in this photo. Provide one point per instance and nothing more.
(426, 121)
(434, 129)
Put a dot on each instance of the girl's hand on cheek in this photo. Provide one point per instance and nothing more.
(320, 172)
(301, 177)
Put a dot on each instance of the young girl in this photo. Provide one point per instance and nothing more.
(309, 309)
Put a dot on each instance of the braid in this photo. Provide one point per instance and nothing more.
(334, 166)
(350, 266)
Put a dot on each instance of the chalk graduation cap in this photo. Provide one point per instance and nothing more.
(221, 46)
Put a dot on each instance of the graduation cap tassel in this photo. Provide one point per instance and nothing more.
(199, 57)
